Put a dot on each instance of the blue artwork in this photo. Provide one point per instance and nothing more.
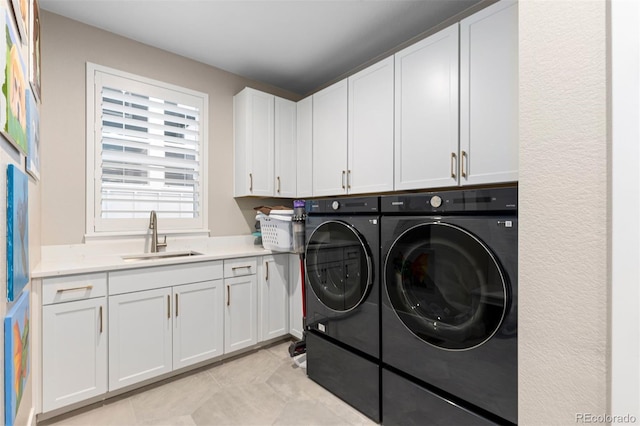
(16, 356)
(17, 232)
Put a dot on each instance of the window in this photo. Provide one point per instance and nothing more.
(146, 150)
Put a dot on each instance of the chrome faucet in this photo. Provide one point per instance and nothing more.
(153, 225)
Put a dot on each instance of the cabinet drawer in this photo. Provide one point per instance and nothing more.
(131, 280)
(240, 267)
(73, 287)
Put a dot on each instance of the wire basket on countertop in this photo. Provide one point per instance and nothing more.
(276, 229)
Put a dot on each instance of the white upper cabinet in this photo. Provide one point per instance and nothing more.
(489, 95)
(264, 145)
(370, 142)
(285, 148)
(330, 140)
(253, 116)
(304, 147)
(426, 112)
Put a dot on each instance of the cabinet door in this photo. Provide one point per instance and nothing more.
(330, 140)
(371, 129)
(253, 143)
(295, 297)
(285, 148)
(240, 320)
(274, 297)
(139, 336)
(198, 327)
(74, 352)
(489, 95)
(426, 112)
(304, 147)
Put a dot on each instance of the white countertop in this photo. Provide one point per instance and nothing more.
(108, 256)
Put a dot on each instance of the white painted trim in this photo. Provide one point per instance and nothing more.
(91, 162)
(31, 421)
(625, 199)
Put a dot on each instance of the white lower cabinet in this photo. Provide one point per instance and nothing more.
(103, 332)
(154, 332)
(140, 344)
(162, 319)
(74, 339)
(198, 323)
(240, 319)
(274, 297)
(74, 352)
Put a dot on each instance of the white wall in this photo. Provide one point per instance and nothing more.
(564, 212)
(9, 155)
(625, 320)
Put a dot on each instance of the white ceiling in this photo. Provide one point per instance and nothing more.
(298, 45)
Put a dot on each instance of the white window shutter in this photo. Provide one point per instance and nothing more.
(149, 151)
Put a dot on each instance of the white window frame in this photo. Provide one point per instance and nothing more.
(96, 227)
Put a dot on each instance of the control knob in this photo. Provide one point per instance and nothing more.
(436, 201)
(335, 205)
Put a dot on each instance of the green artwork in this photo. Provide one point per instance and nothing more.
(14, 90)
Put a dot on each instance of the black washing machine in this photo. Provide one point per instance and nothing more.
(449, 307)
(342, 299)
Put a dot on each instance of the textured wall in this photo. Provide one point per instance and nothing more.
(66, 47)
(563, 213)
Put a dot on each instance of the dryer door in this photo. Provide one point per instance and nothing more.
(445, 285)
(338, 265)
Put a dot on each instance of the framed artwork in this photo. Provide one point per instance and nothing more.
(34, 49)
(14, 91)
(21, 12)
(17, 358)
(17, 231)
(33, 137)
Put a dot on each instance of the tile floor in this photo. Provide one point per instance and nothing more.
(260, 388)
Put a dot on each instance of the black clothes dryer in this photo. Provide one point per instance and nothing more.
(449, 304)
(342, 299)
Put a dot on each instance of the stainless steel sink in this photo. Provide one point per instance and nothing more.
(160, 255)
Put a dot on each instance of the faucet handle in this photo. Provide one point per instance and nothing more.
(162, 244)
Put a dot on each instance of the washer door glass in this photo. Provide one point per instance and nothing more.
(338, 266)
(445, 286)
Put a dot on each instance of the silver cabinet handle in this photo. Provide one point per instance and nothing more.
(266, 265)
(85, 287)
(233, 268)
(168, 306)
(343, 175)
(250, 182)
(100, 319)
(228, 296)
(453, 164)
(278, 184)
(463, 160)
(177, 305)
(348, 179)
